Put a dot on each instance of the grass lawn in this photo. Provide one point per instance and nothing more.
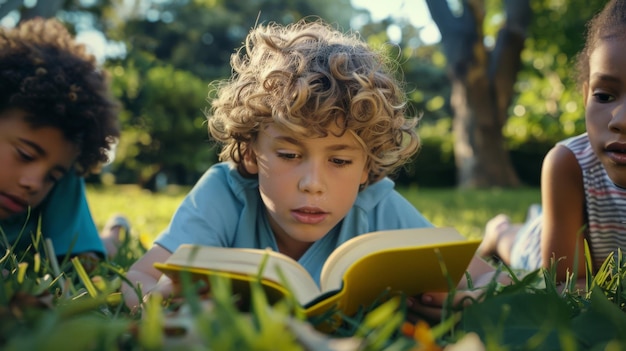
(77, 310)
(466, 210)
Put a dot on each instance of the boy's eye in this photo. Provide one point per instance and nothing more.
(287, 155)
(54, 178)
(55, 175)
(25, 155)
(603, 97)
(340, 162)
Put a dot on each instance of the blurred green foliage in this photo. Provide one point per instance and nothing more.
(168, 53)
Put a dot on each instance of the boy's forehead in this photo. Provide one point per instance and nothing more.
(47, 142)
(12, 113)
(21, 116)
(348, 137)
(302, 132)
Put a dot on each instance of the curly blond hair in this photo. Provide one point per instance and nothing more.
(304, 77)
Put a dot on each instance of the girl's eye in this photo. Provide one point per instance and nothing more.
(603, 97)
(340, 162)
(287, 155)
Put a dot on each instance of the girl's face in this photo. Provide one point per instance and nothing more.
(32, 161)
(605, 107)
(308, 185)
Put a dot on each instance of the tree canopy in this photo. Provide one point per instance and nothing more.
(172, 50)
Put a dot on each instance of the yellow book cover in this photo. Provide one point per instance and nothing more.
(359, 271)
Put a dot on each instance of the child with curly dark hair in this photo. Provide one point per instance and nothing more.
(58, 122)
(311, 123)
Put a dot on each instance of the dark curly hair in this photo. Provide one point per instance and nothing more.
(304, 77)
(52, 78)
(609, 23)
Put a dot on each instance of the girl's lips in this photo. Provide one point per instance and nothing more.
(309, 216)
(12, 204)
(617, 157)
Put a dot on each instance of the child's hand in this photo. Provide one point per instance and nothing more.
(163, 287)
(146, 279)
(429, 305)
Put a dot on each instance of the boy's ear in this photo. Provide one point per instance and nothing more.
(249, 162)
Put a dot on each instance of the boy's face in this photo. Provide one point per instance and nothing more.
(605, 107)
(308, 185)
(32, 160)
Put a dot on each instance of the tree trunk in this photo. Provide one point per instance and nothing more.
(482, 88)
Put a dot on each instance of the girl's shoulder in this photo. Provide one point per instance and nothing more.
(578, 142)
(581, 148)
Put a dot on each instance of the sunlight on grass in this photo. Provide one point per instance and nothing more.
(149, 213)
(469, 210)
(87, 310)
(466, 210)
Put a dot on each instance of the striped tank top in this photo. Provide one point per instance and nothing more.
(605, 203)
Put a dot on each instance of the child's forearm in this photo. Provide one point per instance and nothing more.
(142, 284)
(482, 273)
(145, 278)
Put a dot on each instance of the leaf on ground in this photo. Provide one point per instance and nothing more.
(528, 320)
(601, 323)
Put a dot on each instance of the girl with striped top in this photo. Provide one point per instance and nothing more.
(583, 180)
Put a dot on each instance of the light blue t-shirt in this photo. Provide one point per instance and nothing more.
(65, 218)
(225, 209)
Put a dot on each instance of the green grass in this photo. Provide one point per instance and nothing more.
(149, 213)
(469, 210)
(81, 310)
(466, 210)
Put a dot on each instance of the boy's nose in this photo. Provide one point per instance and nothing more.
(311, 180)
(31, 181)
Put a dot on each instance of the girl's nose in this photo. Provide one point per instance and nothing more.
(618, 119)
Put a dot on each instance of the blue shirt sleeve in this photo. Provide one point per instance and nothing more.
(209, 214)
(67, 220)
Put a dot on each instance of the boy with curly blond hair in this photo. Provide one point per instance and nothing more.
(311, 123)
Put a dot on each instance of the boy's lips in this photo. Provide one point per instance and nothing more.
(12, 203)
(309, 215)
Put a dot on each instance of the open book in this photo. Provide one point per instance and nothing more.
(355, 275)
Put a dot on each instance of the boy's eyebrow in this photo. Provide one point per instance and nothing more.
(39, 150)
(34, 145)
(334, 147)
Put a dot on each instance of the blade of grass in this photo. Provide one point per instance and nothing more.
(49, 250)
(84, 277)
